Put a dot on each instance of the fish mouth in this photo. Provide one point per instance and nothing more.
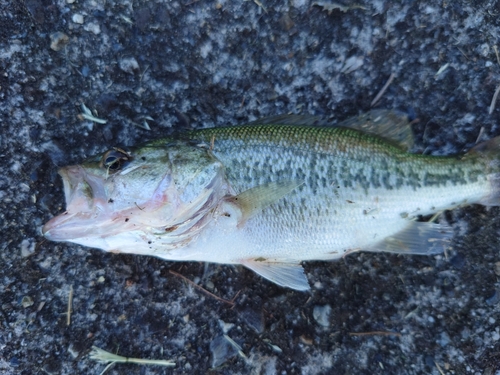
(85, 201)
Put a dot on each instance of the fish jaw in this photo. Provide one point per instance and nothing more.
(85, 201)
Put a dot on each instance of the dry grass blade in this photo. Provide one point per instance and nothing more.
(70, 305)
(102, 356)
(494, 100)
(439, 368)
(381, 92)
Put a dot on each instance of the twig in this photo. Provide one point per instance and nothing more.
(462, 52)
(70, 304)
(494, 100)
(204, 290)
(381, 92)
(383, 333)
(40, 244)
(103, 356)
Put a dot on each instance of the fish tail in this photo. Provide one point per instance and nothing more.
(489, 154)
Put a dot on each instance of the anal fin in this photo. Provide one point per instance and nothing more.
(418, 238)
(286, 274)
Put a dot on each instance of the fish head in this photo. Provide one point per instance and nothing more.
(118, 199)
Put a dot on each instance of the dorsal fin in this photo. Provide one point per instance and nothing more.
(388, 124)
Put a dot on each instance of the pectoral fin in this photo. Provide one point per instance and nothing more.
(417, 239)
(286, 274)
(254, 200)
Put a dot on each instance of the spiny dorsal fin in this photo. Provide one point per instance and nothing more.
(388, 124)
(254, 200)
(491, 146)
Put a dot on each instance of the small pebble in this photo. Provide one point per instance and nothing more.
(27, 301)
(318, 285)
(58, 40)
(495, 336)
(129, 65)
(209, 285)
(322, 315)
(497, 268)
(93, 28)
(27, 248)
(77, 18)
(444, 339)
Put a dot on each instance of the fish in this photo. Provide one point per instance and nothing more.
(273, 193)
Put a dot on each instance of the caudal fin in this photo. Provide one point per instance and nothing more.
(489, 152)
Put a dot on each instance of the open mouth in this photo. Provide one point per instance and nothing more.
(83, 204)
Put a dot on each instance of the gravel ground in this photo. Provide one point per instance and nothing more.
(176, 64)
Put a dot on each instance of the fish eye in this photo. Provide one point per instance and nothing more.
(115, 159)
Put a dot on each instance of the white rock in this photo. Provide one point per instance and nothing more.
(58, 40)
(322, 315)
(93, 28)
(77, 18)
(27, 248)
(129, 65)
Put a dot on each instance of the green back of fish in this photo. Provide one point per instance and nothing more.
(347, 157)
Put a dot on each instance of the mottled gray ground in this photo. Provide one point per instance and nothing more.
(207, 63)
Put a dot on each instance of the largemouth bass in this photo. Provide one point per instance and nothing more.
(272, 194)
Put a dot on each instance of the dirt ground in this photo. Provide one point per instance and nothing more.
(168, 65)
